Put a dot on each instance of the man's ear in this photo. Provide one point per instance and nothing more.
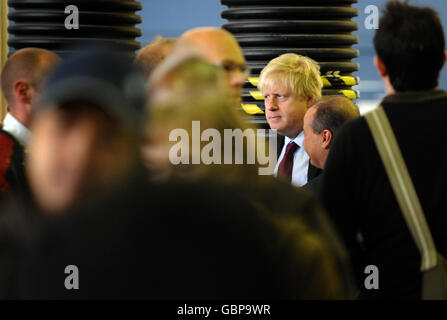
(23, 91)
(326, 136)
(380, 66)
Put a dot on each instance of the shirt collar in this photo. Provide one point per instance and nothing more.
(16, 129)
(415, 96)
(298, 139)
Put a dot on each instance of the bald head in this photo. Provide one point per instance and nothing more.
(217, 47)
(332, 111)
(321, 123)
(213, 44)
(31, 65)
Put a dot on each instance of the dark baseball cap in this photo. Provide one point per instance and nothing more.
(107, 79)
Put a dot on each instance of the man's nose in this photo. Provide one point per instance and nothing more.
(237, 79)
(270, 104)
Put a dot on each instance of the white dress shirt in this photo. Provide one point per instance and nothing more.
(16, 129)
(300, 161)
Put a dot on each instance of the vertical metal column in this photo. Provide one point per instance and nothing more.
(3, 49)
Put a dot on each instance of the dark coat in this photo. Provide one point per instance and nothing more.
(361, 202)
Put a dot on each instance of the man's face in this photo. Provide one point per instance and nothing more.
(221, 49)
(69, 153)
(313, 142)
(284, 110)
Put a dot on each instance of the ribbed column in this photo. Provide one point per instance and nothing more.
(3, 50)
(41, 23)
(319, 29)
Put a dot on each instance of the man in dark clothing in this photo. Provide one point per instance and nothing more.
(356, 191)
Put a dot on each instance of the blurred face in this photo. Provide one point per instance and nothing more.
(284, 110)
(69, 153)
(220, 48)
(313, 142)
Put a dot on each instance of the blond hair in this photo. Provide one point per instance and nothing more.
(298, 73)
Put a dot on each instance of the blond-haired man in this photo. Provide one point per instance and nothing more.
(290, 84)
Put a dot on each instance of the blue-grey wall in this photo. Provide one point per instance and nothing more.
(170, 18)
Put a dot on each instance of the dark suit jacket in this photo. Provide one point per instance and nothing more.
(312, 171)
(314, 186)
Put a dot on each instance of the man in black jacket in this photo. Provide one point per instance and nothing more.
(410, 54)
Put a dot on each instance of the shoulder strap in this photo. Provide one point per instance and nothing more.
(402, 185)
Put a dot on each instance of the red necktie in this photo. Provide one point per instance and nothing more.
(286, 165)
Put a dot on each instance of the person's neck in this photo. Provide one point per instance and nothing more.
(389, 89)
(293, 136)
(20, 115)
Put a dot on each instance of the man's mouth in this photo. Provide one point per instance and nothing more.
(274, 118)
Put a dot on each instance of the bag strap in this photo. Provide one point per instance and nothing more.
(402, 185)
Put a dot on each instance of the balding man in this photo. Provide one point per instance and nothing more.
(22, 78)
(321, 122)
(219, 48)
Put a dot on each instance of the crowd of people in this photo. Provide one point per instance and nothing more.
(87, 176)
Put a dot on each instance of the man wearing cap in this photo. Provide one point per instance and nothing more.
(85, 129)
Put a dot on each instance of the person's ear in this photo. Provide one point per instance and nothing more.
(326, 136)
(23, 92)
(380, 67)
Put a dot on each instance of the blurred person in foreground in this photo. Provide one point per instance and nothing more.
(85, 130)
(22, 79)
(290, 84)
(410, 47)
(321, 123)
(170, 239)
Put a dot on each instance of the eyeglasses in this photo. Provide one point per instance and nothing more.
(230, 67)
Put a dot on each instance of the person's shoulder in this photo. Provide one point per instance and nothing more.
(8, 141)
(354, 131)
(357, 124)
